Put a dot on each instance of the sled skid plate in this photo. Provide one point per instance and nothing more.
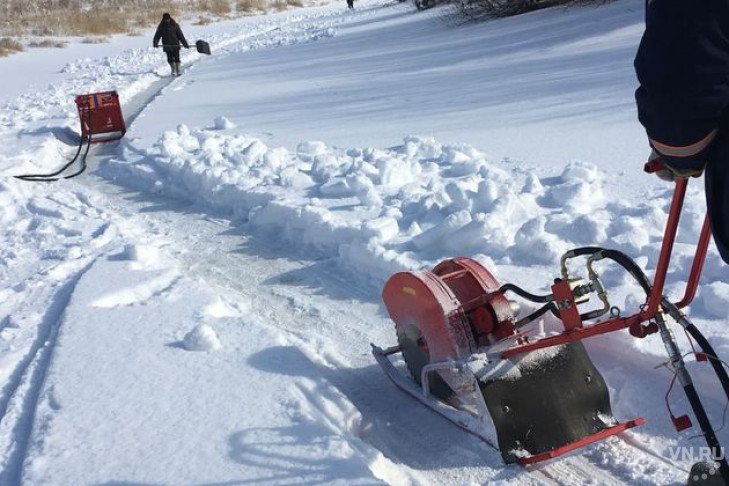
(553, 402)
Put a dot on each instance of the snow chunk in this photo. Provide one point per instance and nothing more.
(581, 171)
(222, 123)
(143, 254)
(533, 185)
(396, 172)
(220, 309)
(435, 235)
(534, 245)
(422, 147)
(579, 190)
(364, 190)
(336, 188)
(716, 298)
(201, 338)
(311, 148)
(382, 229)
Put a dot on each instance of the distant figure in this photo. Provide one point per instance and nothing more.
(350, 3)
(171, 34)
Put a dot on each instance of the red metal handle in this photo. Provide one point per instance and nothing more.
(669, 237)
(697, 266)
(653, 166)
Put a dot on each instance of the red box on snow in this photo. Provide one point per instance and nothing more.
(100, 114)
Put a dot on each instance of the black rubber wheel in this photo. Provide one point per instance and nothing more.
(415, 352)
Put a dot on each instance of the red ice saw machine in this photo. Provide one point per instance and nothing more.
(538, 398)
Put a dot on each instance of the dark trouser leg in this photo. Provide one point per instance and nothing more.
(171, 60)
(717, 192)
(177, 61)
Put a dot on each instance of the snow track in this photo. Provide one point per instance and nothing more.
(23, 388)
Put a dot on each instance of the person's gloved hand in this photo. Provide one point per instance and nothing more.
(670, 174)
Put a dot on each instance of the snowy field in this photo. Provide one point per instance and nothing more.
(198, 307)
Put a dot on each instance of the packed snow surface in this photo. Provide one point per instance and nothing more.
(259, 202)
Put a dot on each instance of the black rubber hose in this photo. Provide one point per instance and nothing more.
(523, 293)
(627, 263)
(618, 257)
(582, 251)
(713, 358)
(83, 163)
(691, 394)
(535, 315)
(708, 431)
(721, 373)
(703, 343)
(50, 177)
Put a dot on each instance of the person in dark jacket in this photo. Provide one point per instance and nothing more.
(683, 99)
(171, 35)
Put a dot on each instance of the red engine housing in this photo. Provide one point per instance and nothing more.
(457, 307)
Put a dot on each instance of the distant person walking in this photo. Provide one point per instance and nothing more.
(350, 3)
(171, 34)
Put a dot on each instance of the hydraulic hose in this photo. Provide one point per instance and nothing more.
(684, 378)
(708, 431)
(535, 315)
(527, 295)
(629, 264)
(83, 163)
(576, 252)
(53, 175)
(703, 343)
(618, 257)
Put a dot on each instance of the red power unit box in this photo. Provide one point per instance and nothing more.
(101, 117)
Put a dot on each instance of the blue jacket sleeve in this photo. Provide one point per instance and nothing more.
(683, 69)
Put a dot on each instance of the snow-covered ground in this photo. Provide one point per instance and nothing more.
(198, 307)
